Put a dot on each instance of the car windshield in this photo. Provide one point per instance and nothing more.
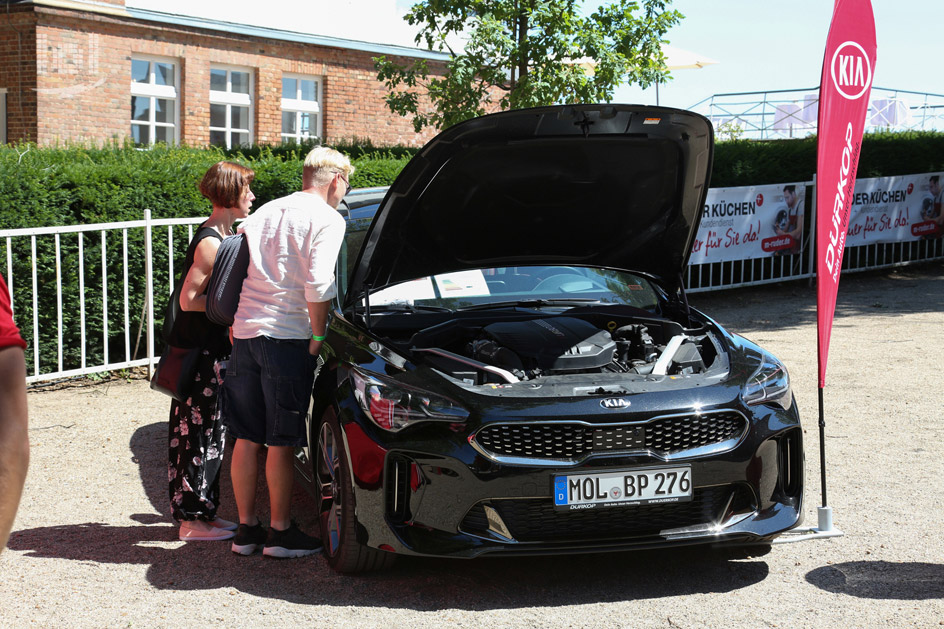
(481, 288)
(509, 285)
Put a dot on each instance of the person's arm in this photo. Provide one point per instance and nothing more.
(191, 293)
(320, 286)
(14, 438)
(318, 313)
(797, 234)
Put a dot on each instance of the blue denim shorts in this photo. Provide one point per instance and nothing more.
(267, 391)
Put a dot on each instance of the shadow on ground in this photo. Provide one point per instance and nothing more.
(913, 581)
(420, 584)
(417, 584)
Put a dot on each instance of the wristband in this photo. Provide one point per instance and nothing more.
(315, 337)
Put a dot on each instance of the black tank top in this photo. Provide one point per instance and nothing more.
(191, 328)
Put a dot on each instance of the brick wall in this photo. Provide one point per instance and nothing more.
(18, 73)
(73, 75)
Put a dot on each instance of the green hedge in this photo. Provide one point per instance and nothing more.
(73, 185)
(63, 186)
(78, 185)
(751, 162)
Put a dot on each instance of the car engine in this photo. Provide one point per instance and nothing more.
(527, 349)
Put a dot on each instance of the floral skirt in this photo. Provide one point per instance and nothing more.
(196, 439)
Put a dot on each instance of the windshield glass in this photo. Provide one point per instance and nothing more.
(477, 287)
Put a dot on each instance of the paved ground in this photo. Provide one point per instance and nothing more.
(93, 545)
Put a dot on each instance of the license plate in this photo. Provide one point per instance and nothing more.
(627, 487)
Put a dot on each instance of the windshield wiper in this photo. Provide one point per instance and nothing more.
(405, 307)
(533, 303)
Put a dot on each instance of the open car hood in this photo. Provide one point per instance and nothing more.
(615, 186)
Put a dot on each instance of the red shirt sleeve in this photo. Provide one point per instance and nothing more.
(9, 334)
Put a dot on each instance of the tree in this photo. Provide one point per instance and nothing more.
(525, 53)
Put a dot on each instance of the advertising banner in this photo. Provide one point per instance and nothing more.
(896, 209)
(750, 222)
(846, 82)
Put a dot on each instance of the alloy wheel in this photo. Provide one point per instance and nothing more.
(330, 503)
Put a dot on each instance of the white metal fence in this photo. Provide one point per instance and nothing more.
(103, 287)
(770, 269)
(106, 280)
(793, 113)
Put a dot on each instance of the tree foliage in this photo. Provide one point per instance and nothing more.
(525, 53)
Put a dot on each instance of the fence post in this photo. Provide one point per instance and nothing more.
(149, 289)
(812, 251)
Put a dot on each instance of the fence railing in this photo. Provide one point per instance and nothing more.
(106, 280)
(773, 269)
(793, 113)
(102, 279)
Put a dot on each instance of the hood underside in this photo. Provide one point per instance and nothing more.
(615, 186)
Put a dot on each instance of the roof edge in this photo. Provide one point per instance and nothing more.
(282, 35)
(237, 28)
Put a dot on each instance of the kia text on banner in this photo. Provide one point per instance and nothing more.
(904, 208)
(750, 222)
(843, 101)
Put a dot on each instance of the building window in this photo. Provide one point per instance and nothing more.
(230, 107)
(301, 107)
(3, 115)
(153, 101)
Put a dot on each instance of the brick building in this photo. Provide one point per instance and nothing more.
(91, 72)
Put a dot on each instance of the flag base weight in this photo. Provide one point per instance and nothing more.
(803, 533)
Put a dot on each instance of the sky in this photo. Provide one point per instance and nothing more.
(759, 44)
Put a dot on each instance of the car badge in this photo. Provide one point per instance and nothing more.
(614, 403)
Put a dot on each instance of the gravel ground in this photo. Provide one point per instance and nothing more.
(93, 545)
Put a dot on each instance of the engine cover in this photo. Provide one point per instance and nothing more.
(554, 344)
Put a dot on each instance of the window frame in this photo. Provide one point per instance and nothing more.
(233, 99)
(299, 106)
(3, 115)
(152, 92)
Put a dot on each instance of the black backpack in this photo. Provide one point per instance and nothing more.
(226, 279)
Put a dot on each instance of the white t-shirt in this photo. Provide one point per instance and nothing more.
(293, 248)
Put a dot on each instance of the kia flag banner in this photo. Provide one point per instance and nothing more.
(843, 102)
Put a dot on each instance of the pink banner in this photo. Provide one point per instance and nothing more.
(844, 89)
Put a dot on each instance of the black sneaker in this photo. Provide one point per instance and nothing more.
(248, 539)
(290, 543)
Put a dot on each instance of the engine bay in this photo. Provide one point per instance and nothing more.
(532, 346)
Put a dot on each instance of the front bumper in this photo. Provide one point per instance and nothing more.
(454, 502)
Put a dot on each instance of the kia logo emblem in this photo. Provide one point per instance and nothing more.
(850, 70)
(614, 402)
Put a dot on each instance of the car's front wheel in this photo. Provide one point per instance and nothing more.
(336, 505)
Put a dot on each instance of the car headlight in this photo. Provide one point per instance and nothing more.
(770, 384)
(394, 406)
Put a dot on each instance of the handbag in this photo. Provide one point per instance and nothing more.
(176, 371)
(226, 280)
(177, 367)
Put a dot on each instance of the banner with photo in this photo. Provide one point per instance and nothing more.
(896, 209)
(750, 222)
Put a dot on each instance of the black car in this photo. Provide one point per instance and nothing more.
(512, 365)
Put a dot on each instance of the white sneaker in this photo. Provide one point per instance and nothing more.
(194, 530)
(220, 523)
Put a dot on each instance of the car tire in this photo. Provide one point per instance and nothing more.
(335, 498)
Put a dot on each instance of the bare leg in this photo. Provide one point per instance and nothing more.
(279, 476)
(14, 436)
(244, 471)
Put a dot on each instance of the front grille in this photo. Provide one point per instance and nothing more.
(536, 519)
(575, 440)
(674, 434)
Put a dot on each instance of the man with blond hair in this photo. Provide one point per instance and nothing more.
(278, 329)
